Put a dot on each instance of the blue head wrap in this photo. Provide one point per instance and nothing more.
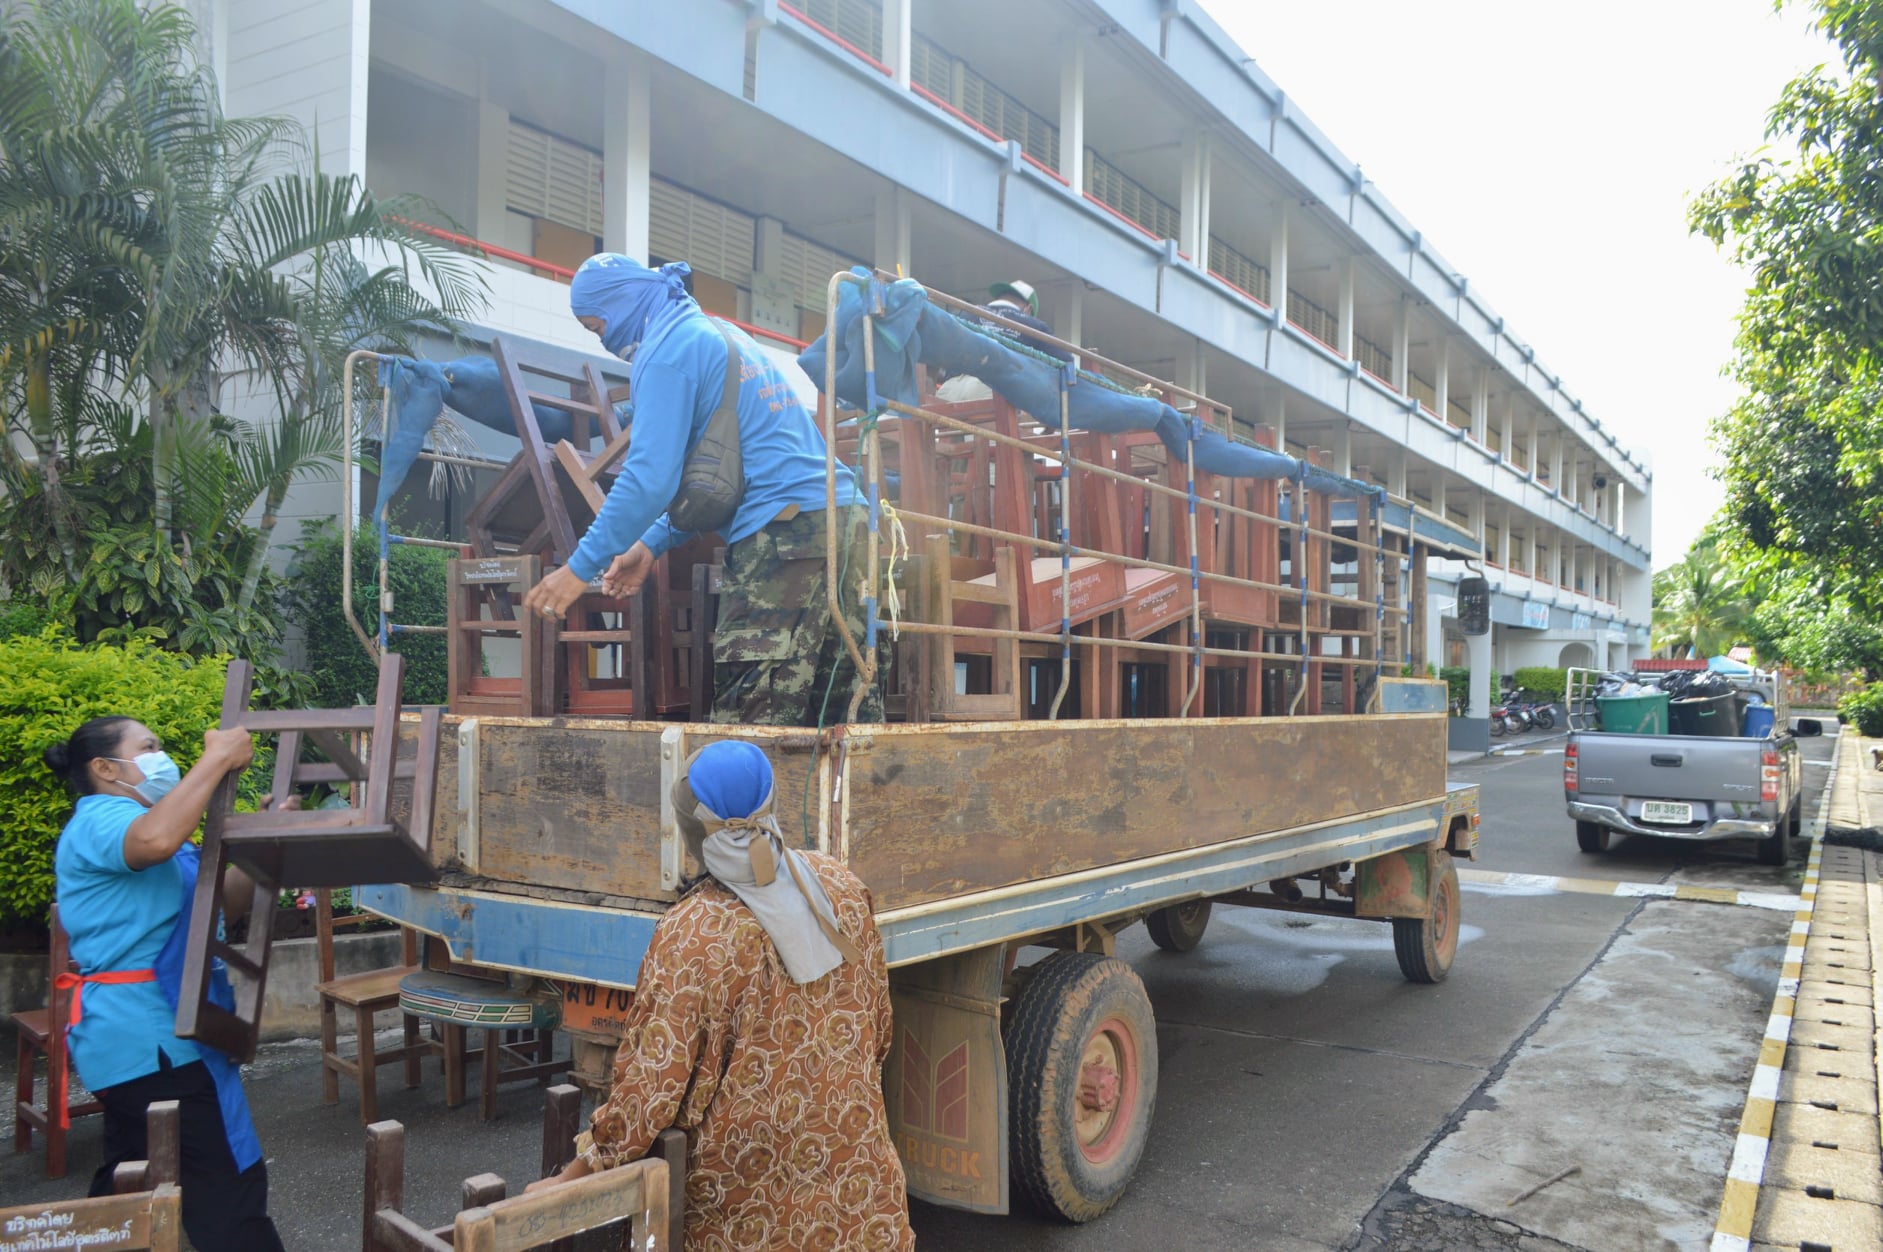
(731, 777)
(632, 301)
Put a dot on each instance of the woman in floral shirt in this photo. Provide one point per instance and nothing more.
(760, 1024)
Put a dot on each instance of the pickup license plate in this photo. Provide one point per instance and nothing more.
(594, 1009)
(1666, 811)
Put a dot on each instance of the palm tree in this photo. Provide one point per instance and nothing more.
(151, 244)
(1700, 603)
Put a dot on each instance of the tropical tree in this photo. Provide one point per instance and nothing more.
(1803, 447)
(153, 252)
(1700, 603)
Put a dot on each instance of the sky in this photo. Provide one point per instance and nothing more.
(1548, 152)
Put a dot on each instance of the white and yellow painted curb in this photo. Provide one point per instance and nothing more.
(1732, 1232)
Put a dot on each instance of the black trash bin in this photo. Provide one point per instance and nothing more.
(1716, 716)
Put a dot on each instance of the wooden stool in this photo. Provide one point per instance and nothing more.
(366, 995)
(41, 1032)
(518, 1031)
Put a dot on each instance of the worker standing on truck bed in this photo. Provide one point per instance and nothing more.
(1015, 301)
(778, 659)
(760, 1024)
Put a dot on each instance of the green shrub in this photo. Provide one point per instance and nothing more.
(342, 673)
(1542, 680)
(1457, 679)
(49, 684)
(1864, 709)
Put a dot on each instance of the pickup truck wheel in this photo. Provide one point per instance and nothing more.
(1082, 1078)
(1426, 945)
(1775, 848)
(1592, 838)
(1179, 927)
(1797, 822)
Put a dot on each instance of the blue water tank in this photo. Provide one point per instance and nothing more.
(1758, 721)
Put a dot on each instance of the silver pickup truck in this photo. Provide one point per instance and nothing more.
(1696, 787)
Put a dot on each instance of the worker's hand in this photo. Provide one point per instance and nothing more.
(287, 805)
(226, 750)
(575, 1169)
(553, 596)
(628, 571)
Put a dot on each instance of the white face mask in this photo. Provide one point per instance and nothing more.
(159, 771)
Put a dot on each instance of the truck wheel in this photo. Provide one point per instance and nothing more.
(1426, 945)
(1592, 838)
(1797, 823)
(1179, 927)
(1082, 1073)
(1775, 848)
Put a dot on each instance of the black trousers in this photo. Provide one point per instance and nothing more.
(224, 1210)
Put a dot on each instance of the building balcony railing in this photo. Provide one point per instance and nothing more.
(563, 274)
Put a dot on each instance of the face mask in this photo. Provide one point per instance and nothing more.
(160, 774)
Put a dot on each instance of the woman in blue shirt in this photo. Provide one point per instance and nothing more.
(125, 870)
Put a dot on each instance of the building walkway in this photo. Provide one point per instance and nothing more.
(1808, 1169)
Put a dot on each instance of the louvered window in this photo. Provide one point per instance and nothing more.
(552, 178)
(807, 267)
(707, 235)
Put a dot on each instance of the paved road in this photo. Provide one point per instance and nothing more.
(1310, 1098)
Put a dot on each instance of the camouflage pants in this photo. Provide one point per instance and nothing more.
(777, 657)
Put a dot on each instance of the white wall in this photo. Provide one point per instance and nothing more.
(306, 61)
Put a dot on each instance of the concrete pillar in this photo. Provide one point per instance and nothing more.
(898, 28)
(627, 157)
(1194, 227)
(493, 162)
(1481, 405)
(1278, 259)
(1402, 345)
(1281, 423)
(1533, 450)
(1396, 473)
(1070, 323)
(1508, 431)
(768, 245)
(1343, 453)
(1072, 116)
(1478, 657)
(892, 230)
(1556, 462)
(1441, 378)
(1502, 555)
(1343, 336)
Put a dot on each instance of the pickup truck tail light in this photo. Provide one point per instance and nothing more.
(1768, 774)
(1569, 768)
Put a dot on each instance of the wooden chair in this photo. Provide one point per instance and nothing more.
(376, 840)
(144, 1220)
(365, 995)
(163, 1151)
(647, 1194)
(40, 1032)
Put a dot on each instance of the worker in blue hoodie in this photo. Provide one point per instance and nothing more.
(778, 658)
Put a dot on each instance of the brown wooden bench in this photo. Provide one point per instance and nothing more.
(649, 1195)
(151, 1220)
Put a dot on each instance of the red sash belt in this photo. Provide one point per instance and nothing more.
(75, 983)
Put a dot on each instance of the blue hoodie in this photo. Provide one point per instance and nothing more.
(676, 380)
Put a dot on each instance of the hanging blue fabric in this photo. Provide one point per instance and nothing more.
(244, 1145)
(910, 331)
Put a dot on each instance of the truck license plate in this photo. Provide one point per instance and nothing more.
(594, 1009)
(1665, 811)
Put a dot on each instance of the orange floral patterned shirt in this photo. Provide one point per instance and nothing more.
(778, 1085)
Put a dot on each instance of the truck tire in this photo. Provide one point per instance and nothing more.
(1775, 848)
(1082, 1077)
(1427, 945)
(1592, 838)
(1797, 822)
(1179, 927)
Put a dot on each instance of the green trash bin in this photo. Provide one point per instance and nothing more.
(1644, 714)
